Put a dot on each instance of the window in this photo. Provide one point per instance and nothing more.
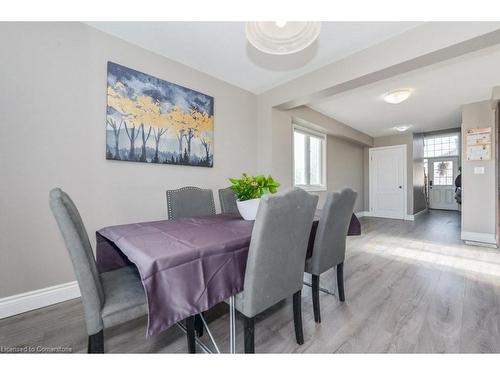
(309, 155)
(443, 173)
(439, 146)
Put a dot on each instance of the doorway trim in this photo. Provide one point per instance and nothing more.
(405, 178)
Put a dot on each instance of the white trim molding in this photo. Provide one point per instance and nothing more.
(36, 299)
(479, 238)
(361, 214)
(370, 214)
(414, 216)
(421, 212)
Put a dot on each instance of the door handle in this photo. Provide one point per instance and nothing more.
(400, 187)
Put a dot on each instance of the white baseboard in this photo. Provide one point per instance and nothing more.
(36, 299)
(478, 238)
(424, 211)
(370, 214)
(361, 214)
(481, 244)
(414, 216)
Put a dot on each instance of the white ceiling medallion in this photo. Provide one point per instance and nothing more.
(397, 96)
(282, 38)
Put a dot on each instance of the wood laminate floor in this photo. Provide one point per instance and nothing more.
(411, 287)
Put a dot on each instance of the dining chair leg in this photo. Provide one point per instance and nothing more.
(315, 296)
(96, 343)
(198, 325)
(340, 281)
(190, 335)
(249, 327)
(297, 317)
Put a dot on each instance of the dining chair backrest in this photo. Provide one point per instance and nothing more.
(190, 201)
(78, 245)
(330, 240)
(275, 264)
(227, 199)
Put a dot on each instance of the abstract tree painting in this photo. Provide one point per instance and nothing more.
(150, 120)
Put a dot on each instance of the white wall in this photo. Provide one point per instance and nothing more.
(52, 133)
(479, 191)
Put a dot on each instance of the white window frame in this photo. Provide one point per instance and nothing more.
(310, 132)
(443, 135)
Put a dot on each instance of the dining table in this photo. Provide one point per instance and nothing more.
(188, 265)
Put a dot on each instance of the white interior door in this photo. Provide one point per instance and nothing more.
(442, 174)
(388, 182)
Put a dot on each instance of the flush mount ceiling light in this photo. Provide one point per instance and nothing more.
(397, 96)
(402, 128)
(282, 38)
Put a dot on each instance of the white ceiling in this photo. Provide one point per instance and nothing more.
(220, 49)
(439, 93)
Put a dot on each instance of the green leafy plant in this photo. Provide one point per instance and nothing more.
(251, 187)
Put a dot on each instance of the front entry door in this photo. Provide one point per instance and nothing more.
(388, 182)
(442, 174)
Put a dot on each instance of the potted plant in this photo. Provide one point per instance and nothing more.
(249, 190)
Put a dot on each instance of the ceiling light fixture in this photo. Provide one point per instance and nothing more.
(397, 96)
(280, 37)
(402, 128)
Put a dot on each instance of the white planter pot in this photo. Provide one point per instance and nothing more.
(248, 209)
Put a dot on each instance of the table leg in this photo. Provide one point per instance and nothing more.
(210, 334)
(232, 326)
(205, 348)
(321, 289)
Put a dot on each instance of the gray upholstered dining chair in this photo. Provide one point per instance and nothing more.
(190, 201)
(109, 298)
(275, 264)
(227, 199)
(186, 202)
(330, 243)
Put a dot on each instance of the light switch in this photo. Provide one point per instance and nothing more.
(478, 170)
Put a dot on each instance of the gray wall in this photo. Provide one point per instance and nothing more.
(345, 168)
(479, 191)
(418, 191)
(345, 164)
(52, 133)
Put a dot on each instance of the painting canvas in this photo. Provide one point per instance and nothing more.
(154, 121)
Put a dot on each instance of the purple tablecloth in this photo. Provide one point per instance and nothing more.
(187, 266)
